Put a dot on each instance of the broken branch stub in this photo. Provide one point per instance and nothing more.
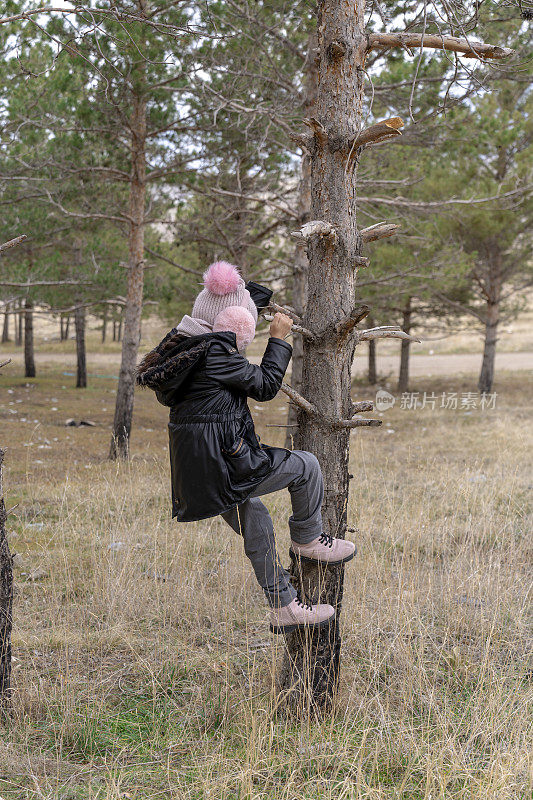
(316, 227)
(362, 405)
(345, 326)
(12, 243)
(387, 332)
(381, 230)
(376, 133)
(359, 422)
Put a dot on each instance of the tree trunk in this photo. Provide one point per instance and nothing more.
(81, 370)
(486, 376)
(403, 379)
(5, 327)
(18, 326)
(372, 361)
(134, 300)
(119, 331)
(310, 671)
(6, 605)
(104, 324)
(29, 360)
(64, 327)
(299, 281)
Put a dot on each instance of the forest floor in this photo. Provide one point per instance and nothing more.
(143, 664)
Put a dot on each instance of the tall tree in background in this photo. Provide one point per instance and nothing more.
(490, 154)
(119, 87)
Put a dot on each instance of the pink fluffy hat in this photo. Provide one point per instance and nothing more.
(225, 304)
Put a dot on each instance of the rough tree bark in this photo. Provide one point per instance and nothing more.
(134, 300)
(308, 678)
(6, 605)
(486, 376)
(81, 360)
(299, 281)
(403, 378)
(29, 359)
(309, 674)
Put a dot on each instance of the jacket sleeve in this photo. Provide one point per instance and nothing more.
(259, 382)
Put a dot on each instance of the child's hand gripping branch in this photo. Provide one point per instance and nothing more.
(218, 465)
(280, 326)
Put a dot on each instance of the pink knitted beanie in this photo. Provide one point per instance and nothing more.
(224, 287)
(240, 321)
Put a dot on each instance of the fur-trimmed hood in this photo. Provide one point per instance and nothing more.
(177, 357)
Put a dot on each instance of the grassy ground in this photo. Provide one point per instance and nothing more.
(143, 667)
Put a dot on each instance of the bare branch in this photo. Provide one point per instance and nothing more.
(305, 332)
(403, 202)
(284, 310)
(298, 400)
(30, 284)
(172, 263)
(469, 49)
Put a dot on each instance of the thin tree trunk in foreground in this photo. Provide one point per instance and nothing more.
(486, 376)
(310, 671)
(81, 361)
(29, 359)
(6, 605)
(133, 309)
(403, 379)
(299, 284)
(309, 675)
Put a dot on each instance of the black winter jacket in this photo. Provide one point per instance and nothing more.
(216, 459)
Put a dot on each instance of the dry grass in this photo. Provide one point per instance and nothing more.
(144, 667)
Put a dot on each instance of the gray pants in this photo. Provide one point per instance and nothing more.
(301, 474)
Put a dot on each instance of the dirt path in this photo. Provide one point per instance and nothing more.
(438, 364)
(447, 364)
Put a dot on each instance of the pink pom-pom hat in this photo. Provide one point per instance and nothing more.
(224, 287)
(239, 320)
(222, 278)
